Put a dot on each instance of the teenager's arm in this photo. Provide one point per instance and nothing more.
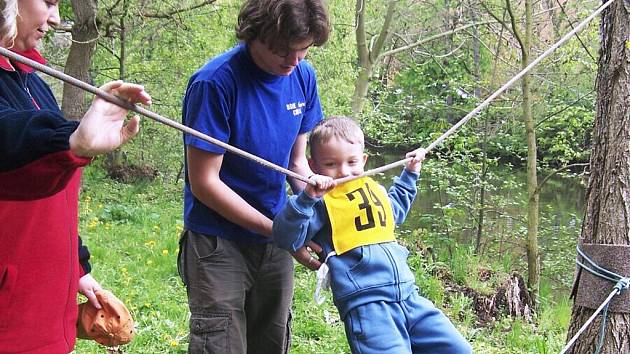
(298, 163)
(206, 185)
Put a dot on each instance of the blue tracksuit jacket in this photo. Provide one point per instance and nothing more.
(384, 273)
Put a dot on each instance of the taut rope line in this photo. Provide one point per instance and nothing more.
(145, 112)
(487, 101)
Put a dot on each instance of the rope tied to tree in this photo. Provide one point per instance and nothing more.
(621, 283)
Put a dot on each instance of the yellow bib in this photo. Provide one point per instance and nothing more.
(360, 214)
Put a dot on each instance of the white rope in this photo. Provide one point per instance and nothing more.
(149, 114)
(488, 100)
(591, 319)
(622, 283)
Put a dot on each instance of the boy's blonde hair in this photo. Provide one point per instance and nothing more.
(339, 127)
(8, 27)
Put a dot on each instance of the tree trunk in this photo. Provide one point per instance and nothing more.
(533, 262)
(79, 62)
(607, 219)
(361, 87)
(368, 57)
(476, 47)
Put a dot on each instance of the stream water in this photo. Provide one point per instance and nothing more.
(441, 207)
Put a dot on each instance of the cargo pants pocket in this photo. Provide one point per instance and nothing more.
(209, 334)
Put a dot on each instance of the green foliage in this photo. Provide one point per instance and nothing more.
(430, 285)
(462, 309)
(425, 101)
(133, 230)
(334, 62)
(565, 137)
(65, 10)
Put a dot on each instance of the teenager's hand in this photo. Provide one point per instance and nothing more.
(324, 184)
(415, 164)
(308, 255)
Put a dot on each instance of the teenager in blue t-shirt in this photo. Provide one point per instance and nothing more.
(261, 97)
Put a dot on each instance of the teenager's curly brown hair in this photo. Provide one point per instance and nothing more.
(281, 23)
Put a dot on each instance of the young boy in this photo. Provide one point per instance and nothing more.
(373, 287)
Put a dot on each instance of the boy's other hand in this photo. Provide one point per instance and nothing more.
(416, 163)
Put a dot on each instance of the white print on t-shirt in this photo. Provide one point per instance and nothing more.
(296, 108)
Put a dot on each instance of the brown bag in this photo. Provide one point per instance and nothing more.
(112, 325)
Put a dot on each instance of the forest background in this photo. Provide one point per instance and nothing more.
(407, 70)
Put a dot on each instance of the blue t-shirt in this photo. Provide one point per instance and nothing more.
(232, 100)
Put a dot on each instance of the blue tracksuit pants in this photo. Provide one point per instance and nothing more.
(413, 325)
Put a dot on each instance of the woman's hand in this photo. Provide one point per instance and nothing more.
(87, 286)
(102, 128)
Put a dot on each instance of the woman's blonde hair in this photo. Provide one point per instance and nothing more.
(8, 27)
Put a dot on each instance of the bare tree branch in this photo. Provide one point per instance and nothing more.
(434, 37)
(362, 50)
(385, 31)
(515, 30)
(572, 27)
(563, 168)
(177, 11)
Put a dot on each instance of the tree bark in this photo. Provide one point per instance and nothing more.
(607, 219)
(79, 61)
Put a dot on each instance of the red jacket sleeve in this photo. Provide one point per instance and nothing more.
(40, 178)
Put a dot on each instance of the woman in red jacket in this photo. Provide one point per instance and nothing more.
(42, 262)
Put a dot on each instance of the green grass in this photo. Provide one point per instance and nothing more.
(133, 232)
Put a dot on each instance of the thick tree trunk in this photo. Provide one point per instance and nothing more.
(607, 219)
(84, 36)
